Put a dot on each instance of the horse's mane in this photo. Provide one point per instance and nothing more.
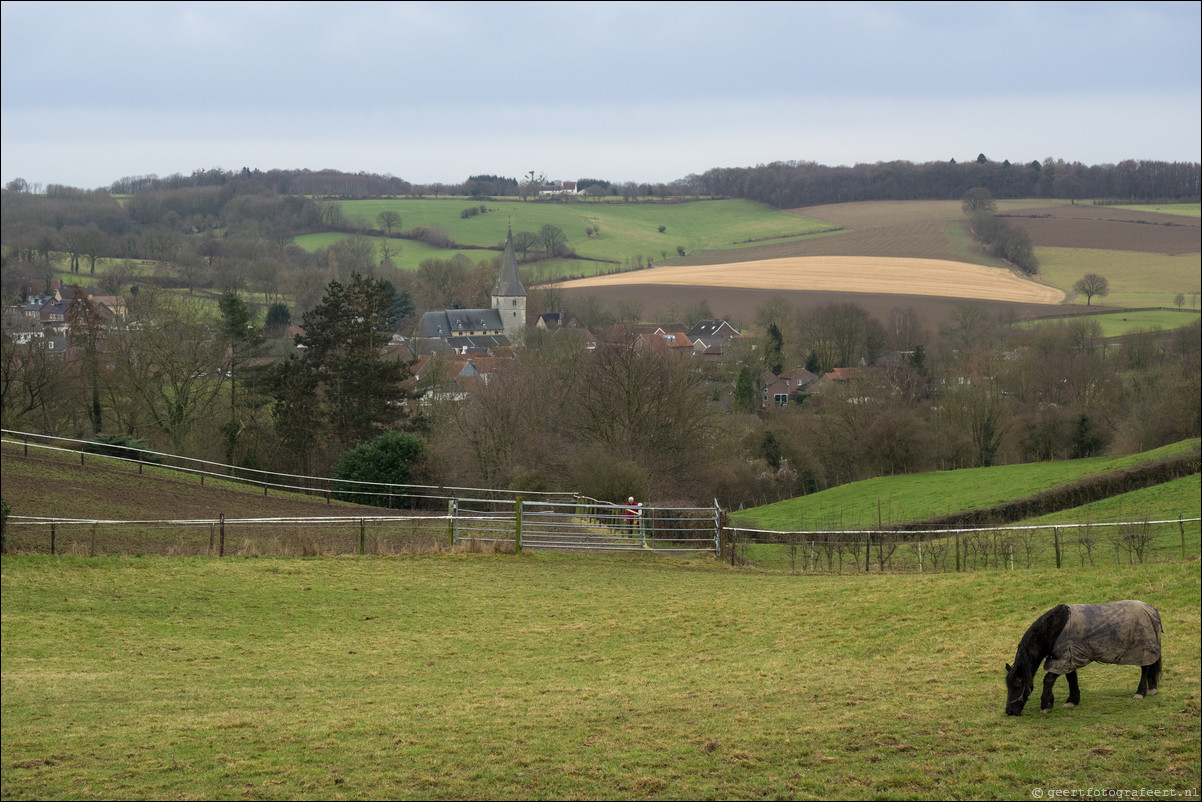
(1037, 641)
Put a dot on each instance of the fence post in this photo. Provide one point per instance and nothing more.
(957, 552)
(450, 522)
(517, 523)
(221, 526)
(212, 532)
(92, 548)
(51, 540)
(1056, 542)
(1181, 526)
(867, 550)
(362, 534)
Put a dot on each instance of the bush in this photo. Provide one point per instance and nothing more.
(384, 461)
(122, 446)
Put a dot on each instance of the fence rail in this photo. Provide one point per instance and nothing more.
(391, 496)
(969, 549)
(583, 524)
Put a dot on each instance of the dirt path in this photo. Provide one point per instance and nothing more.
(933, 277)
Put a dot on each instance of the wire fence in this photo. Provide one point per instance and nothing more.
(973, 549)
(220, 537)
(386, 495)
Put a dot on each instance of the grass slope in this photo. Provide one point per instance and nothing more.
(916, 497)
(551, 677)
(626, 230)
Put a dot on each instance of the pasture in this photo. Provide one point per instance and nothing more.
(905, 498)
(626, 232)
(545, 676)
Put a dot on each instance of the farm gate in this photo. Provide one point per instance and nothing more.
(585, 525)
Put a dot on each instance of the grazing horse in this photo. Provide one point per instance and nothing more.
(1070, 636)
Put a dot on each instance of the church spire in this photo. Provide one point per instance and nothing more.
(508, 294)
(509, 281)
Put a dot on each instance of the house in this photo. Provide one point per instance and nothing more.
(780, 390)
(562, 188)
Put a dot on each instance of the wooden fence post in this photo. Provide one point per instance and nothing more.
(92, 549)
(1056, 543)
(362, 534)
(51, 540)
(221, 526)
(957, 552)
(450, 522)
(1181, 526)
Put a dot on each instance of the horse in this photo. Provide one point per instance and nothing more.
(1070, 636)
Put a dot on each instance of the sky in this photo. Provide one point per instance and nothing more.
(622, 91)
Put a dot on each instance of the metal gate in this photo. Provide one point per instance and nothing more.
(585, 524)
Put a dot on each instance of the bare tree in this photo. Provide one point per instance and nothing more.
(1092, 284)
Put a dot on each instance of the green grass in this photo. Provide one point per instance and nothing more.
(626, 230)
(1182, 209)
(1136, 279)
(553, 677)
(1116, 324)
(916, 497)
(1178, 498)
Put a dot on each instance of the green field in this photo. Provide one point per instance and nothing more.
(1182, 209)
(1136, 279)
(916, 497)
(626, 230)
(1116, 324)
(553, 677)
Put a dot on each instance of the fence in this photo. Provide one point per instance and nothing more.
(585, 524)
(1009, 547)
(391, 496)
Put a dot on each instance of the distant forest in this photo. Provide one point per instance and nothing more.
(779, 184)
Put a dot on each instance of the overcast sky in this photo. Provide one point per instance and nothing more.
(435, 92)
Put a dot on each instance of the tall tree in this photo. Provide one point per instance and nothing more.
(352, 386)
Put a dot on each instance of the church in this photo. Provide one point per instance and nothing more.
(477, 330)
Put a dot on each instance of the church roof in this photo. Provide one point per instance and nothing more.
(509, 282)
(449, 322)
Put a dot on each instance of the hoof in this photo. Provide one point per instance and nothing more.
(1046, 710)
(1069, 704)
(1139, 696)
(1153, 692)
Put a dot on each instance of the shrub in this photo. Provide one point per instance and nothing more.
(122, 446)
(384, 461)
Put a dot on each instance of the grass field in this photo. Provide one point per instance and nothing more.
(552, 677)
(916, 497)
(625, 230)
(1116, 324)
(1136, 279)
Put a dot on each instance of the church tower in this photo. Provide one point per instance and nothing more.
(509, 296)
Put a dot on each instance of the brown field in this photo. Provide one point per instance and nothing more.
(909, 229)
(855, 274)
(1108, 228)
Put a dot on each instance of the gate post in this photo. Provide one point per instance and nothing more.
(450, 522)
(517, 523)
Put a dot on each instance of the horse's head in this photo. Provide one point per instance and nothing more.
(1020, 681)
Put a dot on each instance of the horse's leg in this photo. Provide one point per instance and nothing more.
(1047, 700)
(1074, 692)
(1149, 677)
(1154, 678)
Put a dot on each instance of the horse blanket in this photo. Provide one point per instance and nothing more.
(1124, 633)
